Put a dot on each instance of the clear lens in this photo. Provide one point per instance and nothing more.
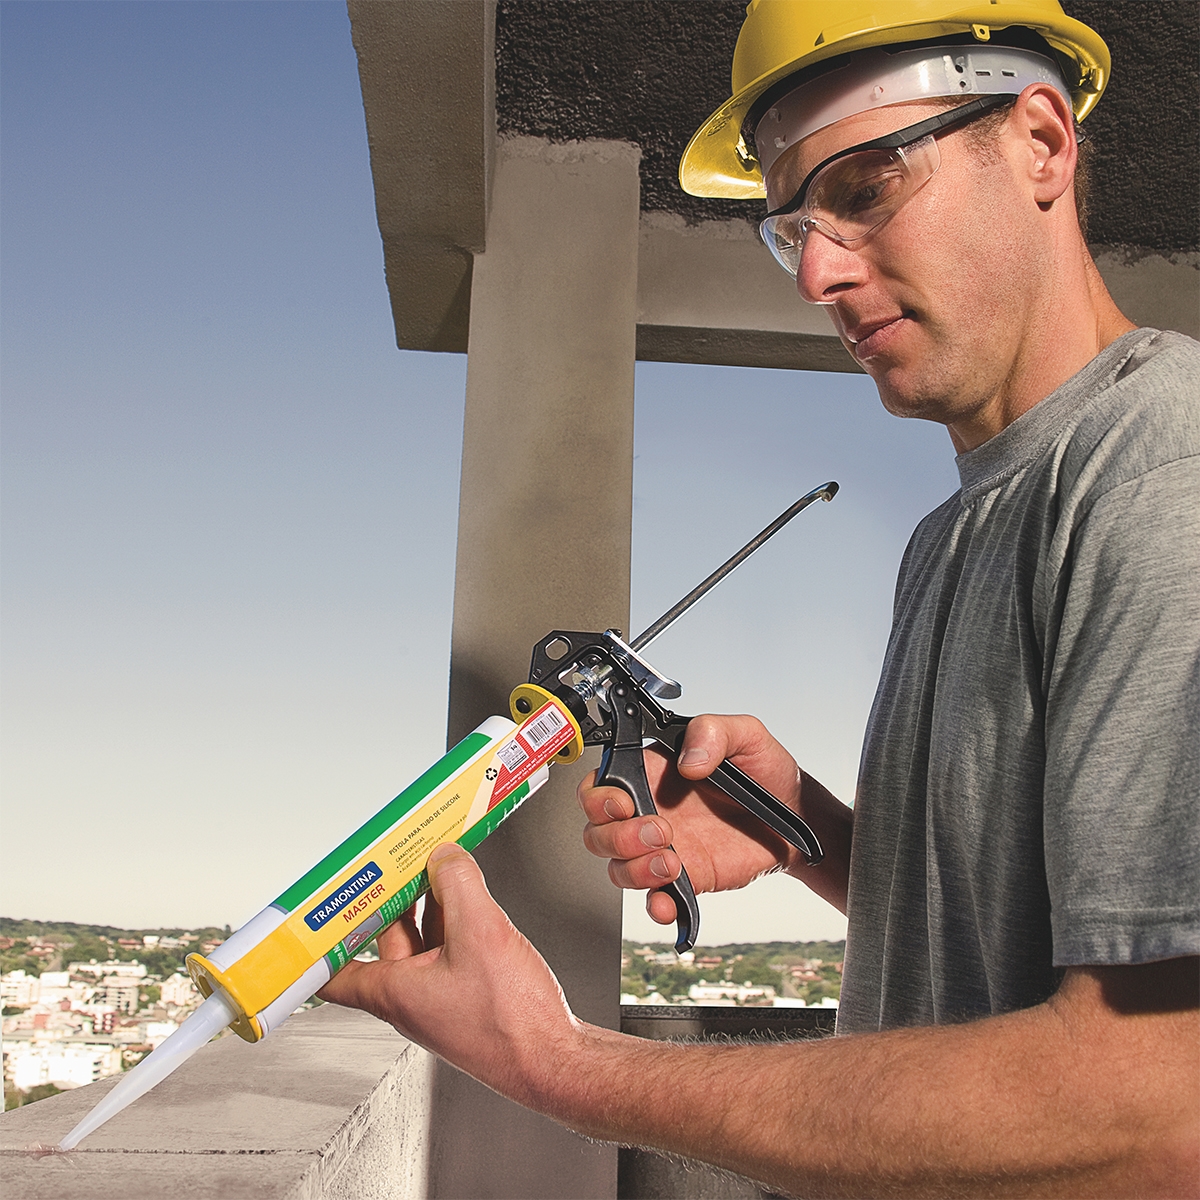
(852, 196)
(857, 192)
(784, 240)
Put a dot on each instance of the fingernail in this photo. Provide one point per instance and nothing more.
(658, 868)
(614, 809)
(693, 757)
(652, 836)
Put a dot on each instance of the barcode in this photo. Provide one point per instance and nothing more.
(544, 728)
(512, 754)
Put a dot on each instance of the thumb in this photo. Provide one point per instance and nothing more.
(457, 885)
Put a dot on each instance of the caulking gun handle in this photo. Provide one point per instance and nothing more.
(624, 767)
(755, 798)
(752, 796)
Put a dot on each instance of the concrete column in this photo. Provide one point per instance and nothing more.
(543, 543)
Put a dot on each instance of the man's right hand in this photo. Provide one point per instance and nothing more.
(722, 845)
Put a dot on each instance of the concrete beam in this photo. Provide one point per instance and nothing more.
(1159, 290)
(710, 293)
(333, 1105)
(544, 534)
(427, 69)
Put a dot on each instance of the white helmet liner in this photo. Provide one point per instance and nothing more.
(875, 78)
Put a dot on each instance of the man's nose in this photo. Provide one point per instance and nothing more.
(828, 269)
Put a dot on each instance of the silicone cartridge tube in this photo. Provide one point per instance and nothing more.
(280, 957)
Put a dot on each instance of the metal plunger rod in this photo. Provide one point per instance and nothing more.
(826, 491)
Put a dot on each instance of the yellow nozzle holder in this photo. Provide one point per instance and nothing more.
(207, 979)
(535, 697)
(781, 37)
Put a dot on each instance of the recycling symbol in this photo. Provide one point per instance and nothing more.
(491, 774)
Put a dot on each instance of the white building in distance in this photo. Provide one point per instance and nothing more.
(65, 1066)
(134, 969)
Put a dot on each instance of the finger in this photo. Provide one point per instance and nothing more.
(632, 838)
(604, 804)
(709, 739)
(455, 880)
(661, 908)
(401, 938)
(703, 747)
(651, 871)
(457, 885)
(351, 985)
(584, 786)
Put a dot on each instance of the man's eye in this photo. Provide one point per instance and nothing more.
(853, 195)
(866, 195)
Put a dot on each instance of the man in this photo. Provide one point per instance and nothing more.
(1020, 868)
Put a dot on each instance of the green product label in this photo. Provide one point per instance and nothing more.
(408, 895)
(488, 822)
(337, 860)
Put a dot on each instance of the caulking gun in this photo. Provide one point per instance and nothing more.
(583, 689)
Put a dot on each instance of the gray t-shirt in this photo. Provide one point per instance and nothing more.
(1030, 782)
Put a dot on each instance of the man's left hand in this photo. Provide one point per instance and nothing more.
(482, 999)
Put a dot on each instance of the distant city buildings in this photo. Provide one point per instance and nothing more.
(19, 990)
(120, 992)
(730, 993)
(179, 990)
(65, 1065)
(71, 1027)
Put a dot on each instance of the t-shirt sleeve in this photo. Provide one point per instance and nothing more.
(1122, 795)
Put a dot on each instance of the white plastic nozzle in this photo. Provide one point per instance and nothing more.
(209, 1019)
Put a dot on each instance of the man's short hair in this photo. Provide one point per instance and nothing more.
(982, 135)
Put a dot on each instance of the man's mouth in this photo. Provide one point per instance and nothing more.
(869, 338)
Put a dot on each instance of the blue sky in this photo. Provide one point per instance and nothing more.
(229, 501)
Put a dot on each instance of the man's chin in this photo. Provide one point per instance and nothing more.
(904, 396)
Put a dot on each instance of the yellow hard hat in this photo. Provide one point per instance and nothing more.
(781, 37)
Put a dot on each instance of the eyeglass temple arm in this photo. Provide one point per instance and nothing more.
(902, 137)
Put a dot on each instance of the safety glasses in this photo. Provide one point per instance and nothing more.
(853, 192)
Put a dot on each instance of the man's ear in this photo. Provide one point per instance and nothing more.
(1043, 121)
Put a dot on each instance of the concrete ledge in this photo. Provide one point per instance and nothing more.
(710, 293)
(709, 1023)
(333, 1106)
(717, 275)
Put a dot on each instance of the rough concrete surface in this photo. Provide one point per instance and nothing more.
(332, 1105)
(650, 71)
(641, 71)
(1146, 161)
(425, 69)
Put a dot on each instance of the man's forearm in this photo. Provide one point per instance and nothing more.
(1095, 1092)
(1065, 1099)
